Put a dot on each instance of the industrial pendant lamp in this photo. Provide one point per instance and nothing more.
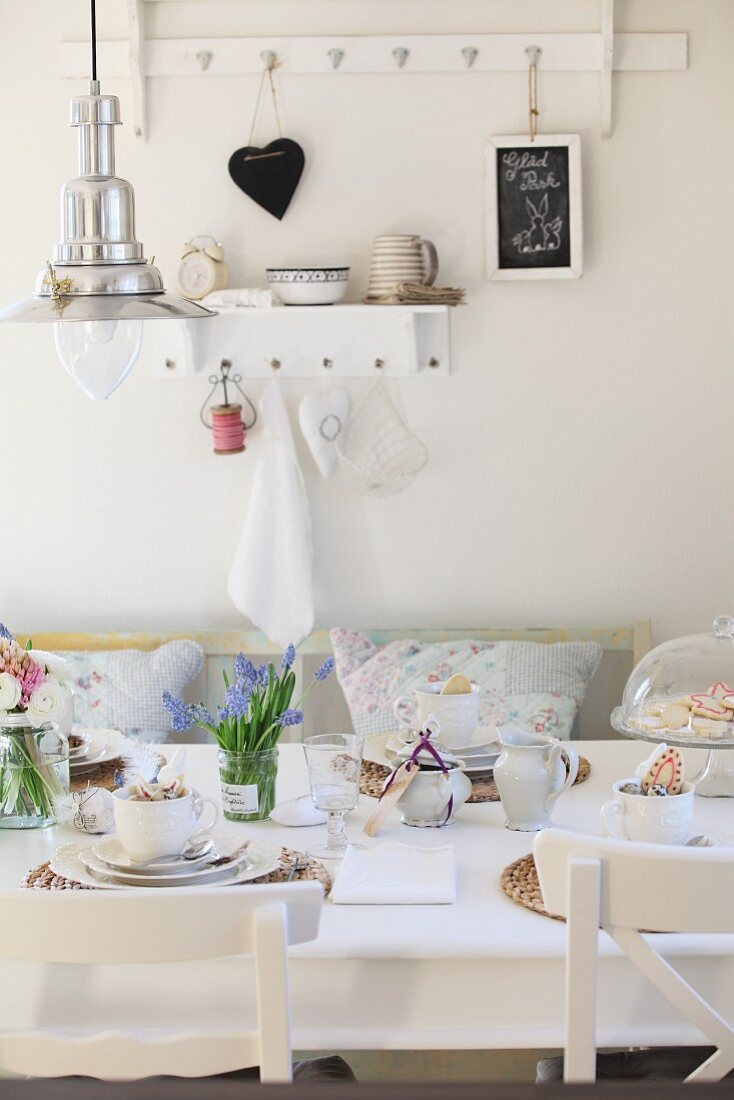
(99, 288)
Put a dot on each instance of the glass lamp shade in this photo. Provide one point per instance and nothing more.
(98, 336)
(98, 354)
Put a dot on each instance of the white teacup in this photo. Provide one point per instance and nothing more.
(151, 830)
(457, 715)
(648, 820)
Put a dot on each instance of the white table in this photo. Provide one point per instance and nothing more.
(483, 973)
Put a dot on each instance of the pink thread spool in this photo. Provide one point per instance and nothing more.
(227, 424)
(228, 428)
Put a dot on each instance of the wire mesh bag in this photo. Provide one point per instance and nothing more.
(378, 456)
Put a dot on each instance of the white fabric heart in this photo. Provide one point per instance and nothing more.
(322, 416)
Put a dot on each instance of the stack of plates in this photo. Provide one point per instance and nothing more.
(103, 863)
(480, 755)
(97, 747)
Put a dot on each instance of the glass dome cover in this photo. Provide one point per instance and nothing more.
(683, 691)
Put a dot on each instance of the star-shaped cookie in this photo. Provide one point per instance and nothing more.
(709, 704)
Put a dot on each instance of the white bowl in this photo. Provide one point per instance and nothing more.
(309, 286)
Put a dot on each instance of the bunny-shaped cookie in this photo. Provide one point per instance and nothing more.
(537, 217)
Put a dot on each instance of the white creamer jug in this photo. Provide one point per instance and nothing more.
(530, 773)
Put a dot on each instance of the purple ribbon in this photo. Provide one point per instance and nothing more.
(412, 761)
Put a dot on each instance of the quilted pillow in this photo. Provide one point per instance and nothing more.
(121, 688)
(535, 684)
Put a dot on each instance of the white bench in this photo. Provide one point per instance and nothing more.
(327, 709)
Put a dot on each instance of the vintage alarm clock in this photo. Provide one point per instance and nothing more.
(202, 269)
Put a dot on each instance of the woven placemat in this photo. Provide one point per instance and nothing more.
(373, 776)
(520, 882)
(43, 878)
(101, 776)
(105, 774)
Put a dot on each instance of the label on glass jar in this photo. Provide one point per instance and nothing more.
(239, 799)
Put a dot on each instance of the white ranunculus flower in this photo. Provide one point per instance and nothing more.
(54, 664)
(9, 691)
(48, 702)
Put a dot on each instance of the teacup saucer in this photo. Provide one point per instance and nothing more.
(110, 852)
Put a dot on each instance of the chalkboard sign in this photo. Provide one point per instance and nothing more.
(534, 207)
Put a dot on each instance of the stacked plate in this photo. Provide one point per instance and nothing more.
(480, 755)
(102, 863)
(90, 748)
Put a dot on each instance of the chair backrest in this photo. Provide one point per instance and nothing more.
(162, 925)
(659, 887)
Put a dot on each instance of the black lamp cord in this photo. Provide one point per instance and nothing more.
(94, 39)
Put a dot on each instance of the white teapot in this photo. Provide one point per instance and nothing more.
(530, 773)
(427, 801)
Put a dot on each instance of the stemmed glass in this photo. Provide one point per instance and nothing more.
(333, 761)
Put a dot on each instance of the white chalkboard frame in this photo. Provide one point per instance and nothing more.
(573, 144)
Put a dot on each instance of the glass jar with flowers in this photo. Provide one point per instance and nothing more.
(257, 707)
(35, 704)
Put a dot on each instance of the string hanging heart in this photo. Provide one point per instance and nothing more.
(270, 174)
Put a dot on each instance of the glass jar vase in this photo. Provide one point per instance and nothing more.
(34, 772)
(248, 783)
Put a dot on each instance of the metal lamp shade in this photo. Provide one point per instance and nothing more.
(99, 270)
(104, 307)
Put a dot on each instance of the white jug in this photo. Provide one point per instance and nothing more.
(530, 773)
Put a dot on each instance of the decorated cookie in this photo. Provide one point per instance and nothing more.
(708, 727)
(457, 685)
(709, 704)
(675, 717)
(665, 769)
(728, 701)
(654, 710)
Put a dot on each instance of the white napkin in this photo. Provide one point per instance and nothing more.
(270, 580)
(396, 874)
(298, 812)
(239, 296)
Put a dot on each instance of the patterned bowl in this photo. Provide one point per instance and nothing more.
(308, 286)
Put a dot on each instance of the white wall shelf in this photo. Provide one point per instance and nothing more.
(604, 52)
(358, 341)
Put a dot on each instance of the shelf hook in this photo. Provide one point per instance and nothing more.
(269, 58)
(470, 54)
(337, 56)
(204, 58)
(401, 55)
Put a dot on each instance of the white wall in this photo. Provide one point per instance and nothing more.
(580, 454)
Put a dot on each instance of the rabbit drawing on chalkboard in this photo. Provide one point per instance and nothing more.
(536, 236)
(553, 234)
(542, 236)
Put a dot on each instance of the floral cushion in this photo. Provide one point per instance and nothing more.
(535, 684)
(122, 688)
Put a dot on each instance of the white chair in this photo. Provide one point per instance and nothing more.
(621, 887)
(161, 926)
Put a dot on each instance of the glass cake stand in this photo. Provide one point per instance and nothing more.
(700, 665)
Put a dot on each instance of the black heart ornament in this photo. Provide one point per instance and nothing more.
(269, 176)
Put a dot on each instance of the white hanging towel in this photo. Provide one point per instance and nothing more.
(270, 580)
